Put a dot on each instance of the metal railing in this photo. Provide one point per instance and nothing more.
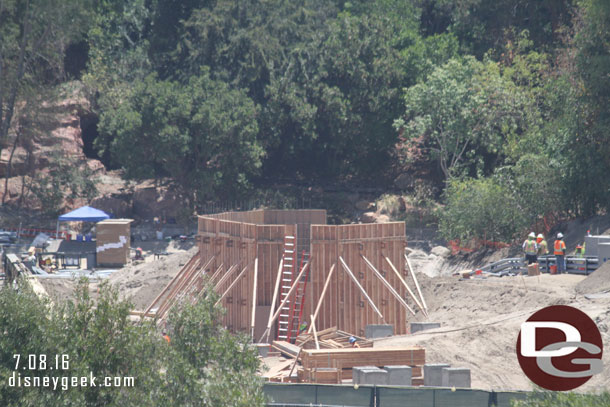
(515, 265)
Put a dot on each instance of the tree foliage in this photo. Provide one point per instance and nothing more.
(201, 134)
(462, 114)
(203, 364)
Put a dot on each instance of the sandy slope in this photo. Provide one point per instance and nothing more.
(481, 319)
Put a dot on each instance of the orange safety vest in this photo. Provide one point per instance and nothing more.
(560, 247)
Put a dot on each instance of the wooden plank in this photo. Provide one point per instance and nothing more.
(405, 285)
(326, 284)
(388, 286)
(253, 321)
(275, 293)
(286, 348)
(232, 285)
(292, 288)
(315, 334)
(277, 368)
(416, 284)
(411, 356)
(346, 268)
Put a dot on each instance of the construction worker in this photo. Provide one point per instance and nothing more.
(166, 336)
(530, 247)
(352, 342)
(139, 254)
(580, 251)
(302, 327)
(543, 248)
(560, 252)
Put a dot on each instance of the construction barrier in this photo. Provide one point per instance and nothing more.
(292, 395)
(33, 232)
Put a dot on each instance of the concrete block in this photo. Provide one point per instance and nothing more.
(422, 326)
(603, 252)
(592, 242)
(399, 375)
(373, 376)
(378, 331)
(456, 377)
(263, 349)
(433, 374)
(356, 372)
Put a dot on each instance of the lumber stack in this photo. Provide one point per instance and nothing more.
(345, 359)
(323, 375)
(286, 348)
(331, 338)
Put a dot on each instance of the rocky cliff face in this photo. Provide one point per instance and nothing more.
(42, 131)
(45, 131)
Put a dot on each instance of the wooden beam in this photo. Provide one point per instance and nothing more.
(213, 278)
(254, 298)
(178, 275)
(404, 283)
(295, 363)
(292, 288)
(224, 278)
(388, 285)
(315, 333)
(416, 283)
(326, 284)
(232, 284)
(275, 291)
(362, 290)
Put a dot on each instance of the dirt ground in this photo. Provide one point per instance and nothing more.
(139, 282)
(480, 320)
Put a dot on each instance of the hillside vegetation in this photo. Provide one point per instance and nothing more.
(498, 109)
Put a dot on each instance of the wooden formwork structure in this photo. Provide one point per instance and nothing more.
(355, 277)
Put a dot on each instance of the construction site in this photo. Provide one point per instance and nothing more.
(349, 304)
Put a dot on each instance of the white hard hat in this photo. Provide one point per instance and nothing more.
(559, 235)
(532, 234)
(540, 236)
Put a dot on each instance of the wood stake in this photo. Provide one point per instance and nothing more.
(315, 334)
(326, 284)
(275, 291)
(404, 283)
(355, 280)
(388, 285)
(423, 301)
(254, 298)
(231, 286)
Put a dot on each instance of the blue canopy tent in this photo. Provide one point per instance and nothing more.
(83, 214)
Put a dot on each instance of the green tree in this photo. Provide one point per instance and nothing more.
(462, 114)
(480, 208)
(202, 134)
(204, 364)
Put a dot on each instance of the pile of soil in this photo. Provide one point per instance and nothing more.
(140, 283)
(596, 282)
(481, 318)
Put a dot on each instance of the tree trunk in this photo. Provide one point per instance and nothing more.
(6, 121)
(8, 167)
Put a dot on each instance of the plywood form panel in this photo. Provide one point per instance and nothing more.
(345, 306)
(342, 305)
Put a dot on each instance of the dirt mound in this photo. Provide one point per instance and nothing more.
(480, 320)
(596, 282)
(141, 283)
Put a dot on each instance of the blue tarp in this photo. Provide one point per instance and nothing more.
(86, 214)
